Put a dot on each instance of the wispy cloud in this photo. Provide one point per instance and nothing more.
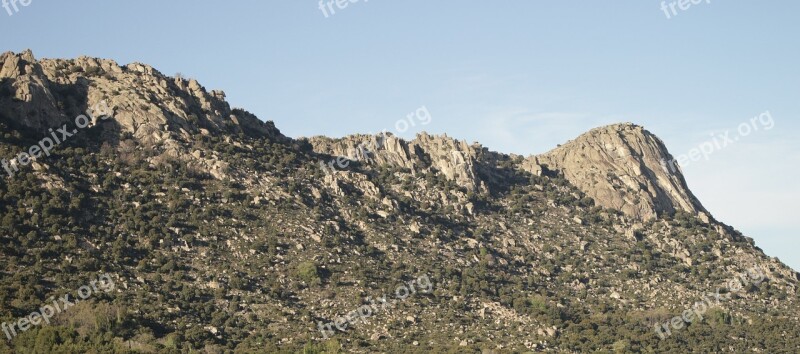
(523, 131)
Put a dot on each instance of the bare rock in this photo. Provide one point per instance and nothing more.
(624, 167)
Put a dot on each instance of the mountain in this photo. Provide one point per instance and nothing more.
(219, 234)
(624, 167)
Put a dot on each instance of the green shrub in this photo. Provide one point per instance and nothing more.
(309, 273)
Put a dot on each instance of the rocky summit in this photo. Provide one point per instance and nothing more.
(212, 232)
(626, 168)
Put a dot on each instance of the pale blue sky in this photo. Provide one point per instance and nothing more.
(517, 76)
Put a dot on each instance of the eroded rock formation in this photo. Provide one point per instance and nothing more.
(623, 167)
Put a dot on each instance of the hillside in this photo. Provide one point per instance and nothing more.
(221, 234)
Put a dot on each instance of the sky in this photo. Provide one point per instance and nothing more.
(517, 76)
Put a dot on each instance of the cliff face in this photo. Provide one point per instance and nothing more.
(622, 167)
(456, 160)
(41, 94)
(26, 92)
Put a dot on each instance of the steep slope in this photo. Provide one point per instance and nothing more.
(622, 167)
(222, 235)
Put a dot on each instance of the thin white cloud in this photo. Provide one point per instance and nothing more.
(524, 132)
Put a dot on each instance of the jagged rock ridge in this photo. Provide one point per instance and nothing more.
(454, 159)
(151, 106)
(620, 166)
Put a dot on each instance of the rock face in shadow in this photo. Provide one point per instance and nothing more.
(623, 167)
(26, 95)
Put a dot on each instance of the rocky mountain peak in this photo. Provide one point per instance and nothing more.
(25, 91)
(621, 166)
(151, 106)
